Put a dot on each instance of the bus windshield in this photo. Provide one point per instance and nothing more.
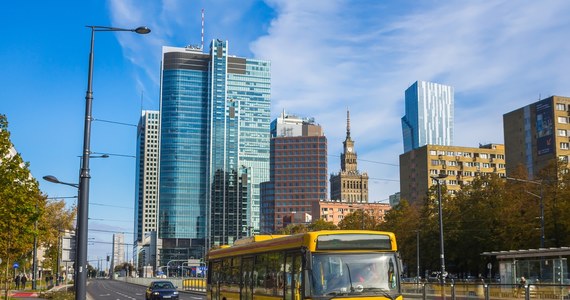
(366, 274)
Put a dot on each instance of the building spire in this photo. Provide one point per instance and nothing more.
(347, 123)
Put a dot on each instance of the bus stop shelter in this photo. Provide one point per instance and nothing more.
(538, 266)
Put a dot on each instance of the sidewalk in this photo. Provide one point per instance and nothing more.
(23, 294)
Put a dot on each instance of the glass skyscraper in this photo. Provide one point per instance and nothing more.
(214, 148)
(429, 115)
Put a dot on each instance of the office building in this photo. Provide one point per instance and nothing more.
(118, 251)
(146, 182)
(349, 185)
(214, 148)
(429, 115)
(460, 164)
(298, 171)
(536, 135)
(394, 199)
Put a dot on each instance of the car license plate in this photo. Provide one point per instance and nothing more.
(166, 297)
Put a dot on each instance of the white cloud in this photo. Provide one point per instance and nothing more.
(330, 55)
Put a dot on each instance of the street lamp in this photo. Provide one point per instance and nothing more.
(438, 178)
(542, 236)
(84, 177)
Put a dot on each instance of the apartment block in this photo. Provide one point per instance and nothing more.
(460, 164)
(537, 134)
(335, 210)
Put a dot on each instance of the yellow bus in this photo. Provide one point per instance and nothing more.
(319, 265)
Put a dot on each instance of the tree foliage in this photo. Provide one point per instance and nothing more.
(358, 220)
(24, 210)
(489, 214)
(21, 203)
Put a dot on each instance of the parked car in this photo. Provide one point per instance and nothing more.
(161, 290)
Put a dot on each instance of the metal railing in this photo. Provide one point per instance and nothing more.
(485, 291)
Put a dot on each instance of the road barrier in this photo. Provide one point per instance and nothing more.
(485, 291)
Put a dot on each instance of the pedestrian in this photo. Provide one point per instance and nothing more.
(17, 281)
(47, 281)
(521, 286)
(23, 280)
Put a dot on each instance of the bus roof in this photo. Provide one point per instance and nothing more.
(263, 243)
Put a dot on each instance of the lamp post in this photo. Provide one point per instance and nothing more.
(35, 255)
(84, 177)
(438, 178)
(542, 235)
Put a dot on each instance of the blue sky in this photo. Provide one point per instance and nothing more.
(326, 56)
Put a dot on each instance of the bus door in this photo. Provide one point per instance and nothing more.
(214, 279)
(246, 287)
(293, 271)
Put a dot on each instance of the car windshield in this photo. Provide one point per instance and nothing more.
(367, 274)
(162, 285)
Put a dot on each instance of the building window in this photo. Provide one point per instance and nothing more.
(435, 162)
(564, 145)
(560, 106)
(432, 152)
(563, 120)
(562, 132)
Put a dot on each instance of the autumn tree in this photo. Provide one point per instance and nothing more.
(56, 219)
(359, 219)
(21, 204)
(321, 224)
(403, 220)
(292, 229)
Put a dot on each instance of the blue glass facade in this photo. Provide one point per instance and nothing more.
(215, 112)
(429, 115)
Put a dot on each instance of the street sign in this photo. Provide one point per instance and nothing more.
(15, 265)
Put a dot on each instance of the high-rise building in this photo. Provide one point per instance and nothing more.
(429, 115)
(214, 148)
(146, 183)
(349, 185)
(298, 170)
(537, 135)
(118, 250)
(460, 164)
(146, 193)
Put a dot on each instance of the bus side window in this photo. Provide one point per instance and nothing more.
(278, 268)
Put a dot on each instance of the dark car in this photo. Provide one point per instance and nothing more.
(161, 290)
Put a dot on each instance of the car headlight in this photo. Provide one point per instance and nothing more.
(175, 293)
(156, 293)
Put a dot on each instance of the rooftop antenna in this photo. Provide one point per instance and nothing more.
(202, 44)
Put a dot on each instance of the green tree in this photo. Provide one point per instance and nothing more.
(321, 224)
(403, 220)
(358, 220)
(55, 219)
(293, 228)
(21, 205)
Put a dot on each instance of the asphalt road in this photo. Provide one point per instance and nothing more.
(103, 289)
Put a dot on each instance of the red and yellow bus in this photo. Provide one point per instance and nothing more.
(317, 265)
